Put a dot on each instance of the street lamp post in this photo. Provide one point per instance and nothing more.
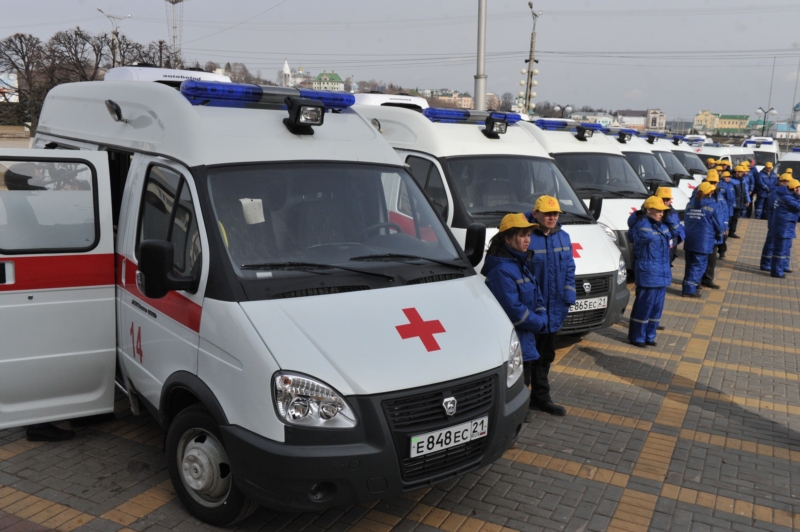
(567, 109)
(115, 20)
(761, 112)
(530, 83)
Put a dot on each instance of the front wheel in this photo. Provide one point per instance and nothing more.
(200, 470)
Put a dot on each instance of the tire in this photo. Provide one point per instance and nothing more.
(200, 471)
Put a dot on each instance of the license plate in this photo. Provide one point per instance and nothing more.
(439, 440)
(589, 304)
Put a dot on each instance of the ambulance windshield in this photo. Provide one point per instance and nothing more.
(601, 173)
(491, 186)
(764, 157)
(691, 161)
(671, 163)
(282, 219)
(648, 168)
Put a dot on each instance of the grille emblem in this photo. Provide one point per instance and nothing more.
(587, 287)
(449, 405)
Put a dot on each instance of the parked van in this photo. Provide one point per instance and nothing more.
(789, 160)
(598, 171)
(734, 154)
(641, 155)
(682, 176)
(765, 150)
(473, 176)
(689, 159)
(227, 252)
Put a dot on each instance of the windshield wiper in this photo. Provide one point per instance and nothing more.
(596, 189)
(625, 193)
(309, 266)
(582, 216)
(401, 257)
(490, 213)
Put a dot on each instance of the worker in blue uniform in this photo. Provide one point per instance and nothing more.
(750, 181)
(554, 268)
(670, 219)
(766, 183)
(651, 241)
(768, 250)
(741, 199)
(703, 229)
(785, 211)
(721, 212)
(509, 276)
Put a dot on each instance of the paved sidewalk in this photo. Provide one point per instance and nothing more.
(699, 433)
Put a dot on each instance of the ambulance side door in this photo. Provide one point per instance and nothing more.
(161, 335)
(57, 296)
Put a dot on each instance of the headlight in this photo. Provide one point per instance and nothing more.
(611, 234)
(514, 360)
(305, 401)
(622, 274)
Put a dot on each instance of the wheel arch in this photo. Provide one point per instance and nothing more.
(183, 389)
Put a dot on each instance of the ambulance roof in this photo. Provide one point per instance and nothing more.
(389, 100)
(790, 156)
(411, 130)
(640, 145)
(722, 150)
(164, 75)
(565, 141)
(163, 122)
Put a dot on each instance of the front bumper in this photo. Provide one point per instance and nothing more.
(318, 469)
(583, 322)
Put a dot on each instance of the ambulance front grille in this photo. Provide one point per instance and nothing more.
(436, 278)
(579, 320)
(320, 291)
(447, 460)
(599, 286)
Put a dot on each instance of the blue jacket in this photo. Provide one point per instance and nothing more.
(670, 219)
(742, 197)
(651, 249)
(766, 182)
(729, 191)
(721, 208)
(554, 269)
(785, 210)
(510, 278)
(750, 180)
(773, 196)
(703, 227)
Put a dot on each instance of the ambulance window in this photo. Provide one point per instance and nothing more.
(428, 177)
(47, 207)
(419, 169)
(162, 220)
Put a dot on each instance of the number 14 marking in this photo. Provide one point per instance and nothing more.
(136, 344)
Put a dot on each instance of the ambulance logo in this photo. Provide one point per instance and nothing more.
(424, 330)
(449, 405)
(575, 249)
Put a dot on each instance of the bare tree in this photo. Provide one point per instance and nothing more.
(129, 52)
(79, 54)
(506, 101)
(28, 58)
(211, 66)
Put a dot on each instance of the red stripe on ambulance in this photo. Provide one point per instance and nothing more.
(48, 272)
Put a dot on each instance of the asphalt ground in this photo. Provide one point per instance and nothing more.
(699, 433)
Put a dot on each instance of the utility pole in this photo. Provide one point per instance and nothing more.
(531, 61)
(480, 77)
(115, 20)
(161, 54)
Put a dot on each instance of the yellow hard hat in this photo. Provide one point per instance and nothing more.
(788, 171)
(746, 162)
(768, 165)
(726, 174)
(514, 220)
(706, 188)
(547, 204)
(711, 160)
(740, 168)
(793, 184)
(785, 177)
(654, 202)
(719, 168)
(712, 177)
(724, 162)
(664, 192)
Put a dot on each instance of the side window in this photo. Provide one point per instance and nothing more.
(419, 169)
(435, 190)
(162, 218)
(47, 206)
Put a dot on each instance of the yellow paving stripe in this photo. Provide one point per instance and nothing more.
(41, 511)
(634, 511)
(655, 456)
(614, 419)
(742, 368)
(614, 346)
(377, 521)
(752, 402)
(10, 450)
(143, 504)
(736, 444)
(568, 467)
(763, 325)
(672, 410)
(761, 295)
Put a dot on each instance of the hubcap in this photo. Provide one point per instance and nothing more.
(205, 470)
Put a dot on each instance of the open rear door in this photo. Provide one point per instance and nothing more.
(57, 295)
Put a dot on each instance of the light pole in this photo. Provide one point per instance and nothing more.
(761, 112)
(563, 110)
(480, 77)
(115, 20)
(531, 61)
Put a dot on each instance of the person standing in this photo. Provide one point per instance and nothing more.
(767, 181)
(768, 250)
(703, 227)
(554, 269)
(727, 188)
(741, 199)
(750, 181)
(651, 246)
(786, 208)
(721, 212)
(509, 276)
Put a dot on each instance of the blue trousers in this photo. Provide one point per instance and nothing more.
(782, 250)
(696, 264)
(766, 252)
(760, 201)
(646, 313)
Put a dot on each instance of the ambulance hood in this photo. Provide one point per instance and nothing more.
(615, 212)
(352, 342)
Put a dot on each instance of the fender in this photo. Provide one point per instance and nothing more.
(184, 389)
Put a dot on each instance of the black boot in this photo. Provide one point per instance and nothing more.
(540, 390)
(47, 432)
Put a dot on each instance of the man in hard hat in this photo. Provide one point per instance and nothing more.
(670, 219)
(769, 250)
(741, 199)
(651, 246)
(703, 229)
(554, 268)
(721, 212)
(711, 163)
(749, 180)
(784, 219)
(765, 183)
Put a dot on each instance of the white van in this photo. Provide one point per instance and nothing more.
(789, 160)
(685, 179)
(598, 171)
(228, 251)
(688, 157)
(641, 154)
(765, 150)
(734, 154)
(476, 177)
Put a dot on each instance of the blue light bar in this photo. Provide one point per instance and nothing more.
(550, 124)
(440, 115)
(655, 134)
(679, 137)
(198, 91)
(795, 149)
(330, 99)
(758, 142)
(511, 118)
(592, 126)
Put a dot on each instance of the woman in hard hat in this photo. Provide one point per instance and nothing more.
(671, 219)
(784, 219)
(509, 275)
(651, 243)
(703, 228)
(765, 183)
(769, 250)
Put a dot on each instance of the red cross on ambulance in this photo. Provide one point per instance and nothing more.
(418, 328)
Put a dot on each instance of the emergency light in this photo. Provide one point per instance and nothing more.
(758, 143)
(549, 124)
(795, 149)
(677, 139)
(220, 94)
(653, 136)
(435, 114)
(586, 129)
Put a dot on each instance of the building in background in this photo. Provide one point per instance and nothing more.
(632, 119)
(604, 119)
(732, 124)
(706, 122)
(289, 77)
(656, 120)
(328, 81)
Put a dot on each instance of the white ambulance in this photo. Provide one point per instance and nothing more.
(228, 252)
(734, 154)
(765, 150)
(789, 160)
(686, 180)
(688, 157)
(597, 170)
(475, 176)
(640, 152)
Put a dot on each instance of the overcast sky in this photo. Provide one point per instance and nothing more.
(680, 56)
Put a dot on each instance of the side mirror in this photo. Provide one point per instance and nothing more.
(475, 243)
(155, 278)
(596, 205)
